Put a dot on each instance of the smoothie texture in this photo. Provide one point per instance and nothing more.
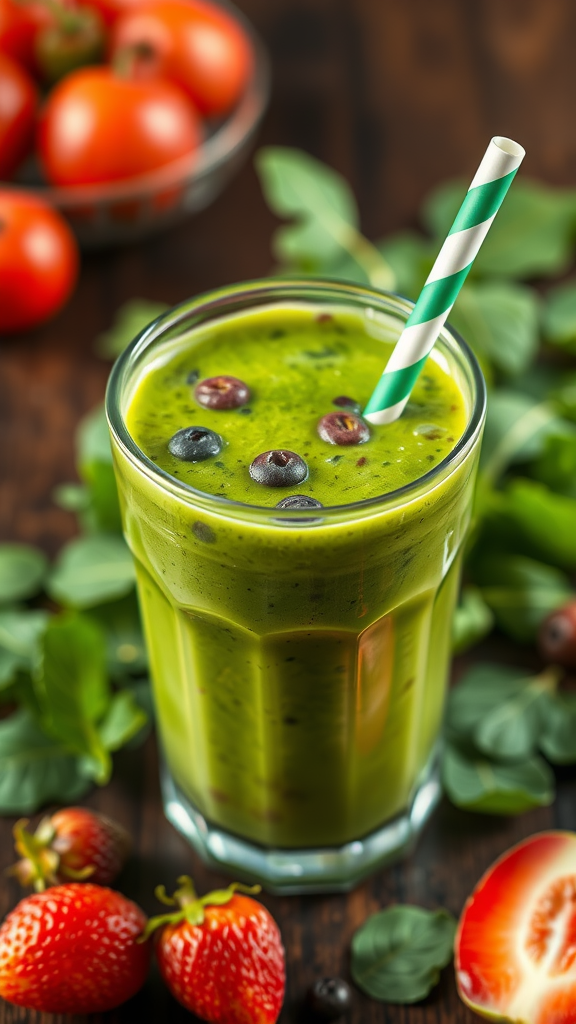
(298, 367)
(299, 660)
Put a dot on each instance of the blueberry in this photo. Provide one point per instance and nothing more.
(345, 402)
(222, 393)
(278, 468)
(195, 444)
(299, 501)
(343, 428)
(329, 998)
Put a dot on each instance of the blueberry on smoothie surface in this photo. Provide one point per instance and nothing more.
(343, 428)
(222, 393)
(278, 468)
(195, 444)
(345, 402)
(299, 501)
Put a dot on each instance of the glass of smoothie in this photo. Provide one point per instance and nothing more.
(297, 571)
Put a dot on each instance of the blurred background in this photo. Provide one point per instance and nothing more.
(397, 95)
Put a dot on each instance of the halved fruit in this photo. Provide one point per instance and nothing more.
(515, 946)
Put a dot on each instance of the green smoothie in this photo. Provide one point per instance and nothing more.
(299, 660)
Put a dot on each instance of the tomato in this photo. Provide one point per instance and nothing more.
(196, 44)
(111, 10)
(97, 126)
(38, 261)
(17, 113)
(19, 24)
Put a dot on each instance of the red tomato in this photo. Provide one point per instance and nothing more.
(17, 109)
(111, 10)
(38, 261)
(198, 45)
(20, 21)
(99, 127)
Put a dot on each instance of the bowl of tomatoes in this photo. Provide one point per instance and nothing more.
(129, 114)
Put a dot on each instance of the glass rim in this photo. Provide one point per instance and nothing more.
(286, 289)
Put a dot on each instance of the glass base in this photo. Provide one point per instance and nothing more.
(333, 869)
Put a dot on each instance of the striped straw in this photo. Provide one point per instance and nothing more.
(473, 220)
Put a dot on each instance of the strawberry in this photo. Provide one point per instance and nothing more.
(74, 844)
(73, 949)
(515, 948)
(221, 956)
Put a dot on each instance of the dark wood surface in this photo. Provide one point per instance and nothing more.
(398, 95)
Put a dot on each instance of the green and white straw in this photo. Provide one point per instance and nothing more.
(473, 220)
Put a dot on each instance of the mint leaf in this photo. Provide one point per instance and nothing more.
(472, 620)
(92, 570)
(475, 783)
(398, 953)
(20, 633)
(22, 572)
(500, 321)
(94, 456)
(129, 320)
(324, 210)
(531, 236)
(124, 640)
(123, 720)
(72, 687)
(34, 769)
(558, 736)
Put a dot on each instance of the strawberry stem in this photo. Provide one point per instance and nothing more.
(190, 906)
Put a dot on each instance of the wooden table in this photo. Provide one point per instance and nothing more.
(398, 95)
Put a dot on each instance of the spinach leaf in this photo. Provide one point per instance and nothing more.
(129, 320)
(101, 511)
(472, 620)
(474, 782)
(73, 689)
(398, 953)
(531, 236)
(22, 572)
(124, 719)
(558, 736)
(482, 688)
(543, 520)
(20, 633)
(35, 769)
(520, 591)
(559, 316)
(516, 431)
(324, 209)
(499, 320)
(410, 256)
(124, 640)
(556, 466)
(92, 570)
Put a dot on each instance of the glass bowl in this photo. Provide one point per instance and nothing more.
(113, 213)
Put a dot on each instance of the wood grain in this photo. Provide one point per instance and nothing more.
(398, 95)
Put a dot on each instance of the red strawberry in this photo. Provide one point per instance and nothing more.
(74, 844)
(222, 955)
(73, 949)
(516, 943)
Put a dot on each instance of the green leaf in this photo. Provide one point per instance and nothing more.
(92, 570)
(516, 431)
(22, 572)
(556, 466)
(509, 731)
(20, 633)
(559, 317)
(321, 204)
(500, 321)
(564, 395)
(129, 320)
(544, 521)
(94, 454)
(473, 782)
(124, 640)
(410, 257)
(72, 497)
(123, 720)
(72, 687)
(93, 438)
(520, 591)
(481, 689)
(532, 234)
(398, 953)
(34, 769)
(472, 620)
(558, 736)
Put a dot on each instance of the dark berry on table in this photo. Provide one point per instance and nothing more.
(329, 998)
(299, 501)
(222, 393)
(343, 428)
(345, 402)
(557, 636)
(195, 444)
(278, 468)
